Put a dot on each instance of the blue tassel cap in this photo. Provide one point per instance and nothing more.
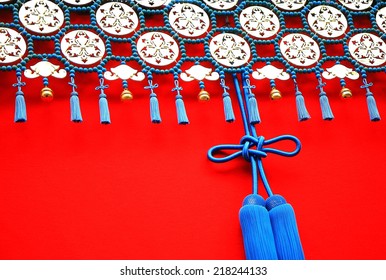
(20, 108)
(104, 109)
(76, 115)
(259, 243)
(323, 99)
(285, 230)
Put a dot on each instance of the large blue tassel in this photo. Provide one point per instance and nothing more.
(303, 114)
(104, 109)
(154, 109)
(76, 115)
(181, 112)
(228, 108)
(20, 107)
(325, 106)
(259, 243)
(372, 107)
(285, 230)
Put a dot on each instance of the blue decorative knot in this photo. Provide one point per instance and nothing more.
(19, 83)
(177, 87)
(151, 86)
(253, 147)
(102, 86)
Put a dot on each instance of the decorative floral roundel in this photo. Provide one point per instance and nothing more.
(41, 16)
(230, 50)
(381, 19)
(221, 4)
(117, 18)
(12, 45)
(368, 49)
(189, 20)
(259, 22)
(327, 21)
(151, 3)
(289, 5)
(300, 49)
(78, 2)
(356, 5)
(82, 47)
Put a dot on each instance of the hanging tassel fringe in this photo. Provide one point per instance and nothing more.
(20, 108)
(181, 112)
(303, 114)
(104, 109)
(259, 243)
(285, 230)
(154, 109)
(325, 106)
(372, 107)
(253, 110)
(228, 108)
(76, 115)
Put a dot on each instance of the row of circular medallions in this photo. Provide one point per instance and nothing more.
(83, 47)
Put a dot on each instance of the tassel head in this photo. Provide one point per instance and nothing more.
(345, 92)
(46, 94)
(275, 93)
(126, 95)
(203, 95)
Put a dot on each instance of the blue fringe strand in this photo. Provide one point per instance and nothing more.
(181, 112)
(228, 108)
(325, 106)
(253, 110)
(76, 115)
(285, 230)
(256, 227)
(303, 114)
(20, 108)
(154, 109)
(104, 109)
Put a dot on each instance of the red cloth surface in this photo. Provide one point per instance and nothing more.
(137, 190)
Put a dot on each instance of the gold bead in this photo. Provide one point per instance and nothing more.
(203, 95)
(46, 94)
(345, 92)
(126, 95)
(275, 93)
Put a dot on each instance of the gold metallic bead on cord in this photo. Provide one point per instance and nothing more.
(203, 95)
(126, 95)
(345, 92)
(275, 93)
(46, 94)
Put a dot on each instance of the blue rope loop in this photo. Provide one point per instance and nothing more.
(102, 86)
(255, 147)
(73, 85)
(367, 86)
(19, 83)
(248, 86)
(151, 86)
(224, 86)
(177, 87)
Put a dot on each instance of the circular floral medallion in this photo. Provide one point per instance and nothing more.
(221, 4)
(5, 1)
(300, 49)
(356, 5)
(259, 22)
(381, 19)
(230, 50)
(368, 49)
(78, 2)
(117, 18)
(82, 47)
(12, 46)
(41, 16)
(157, 48)
(327, 21)
(289, 5)
(151, 3)
(189, 20)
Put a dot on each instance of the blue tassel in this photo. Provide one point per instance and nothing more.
(372, 107)
(104, 109)
(76, 115)
(20, 108)
(154, 109)
(285, 230)
(254, 116)
(181, 112)
(259, 243)
(301, 107)
(228, 109)
(325, 106)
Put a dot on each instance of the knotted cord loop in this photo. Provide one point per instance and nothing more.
(102, 86)
(151, 86)
(177, 87)
(73, 85)
(19, 83)
(248, 85)
(251, 146)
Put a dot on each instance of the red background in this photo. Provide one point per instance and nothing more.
(137, 190)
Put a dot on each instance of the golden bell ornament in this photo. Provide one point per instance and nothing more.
(275, 93)
(47, 94)
(345, 92)
(126, 95)
(203, 95)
